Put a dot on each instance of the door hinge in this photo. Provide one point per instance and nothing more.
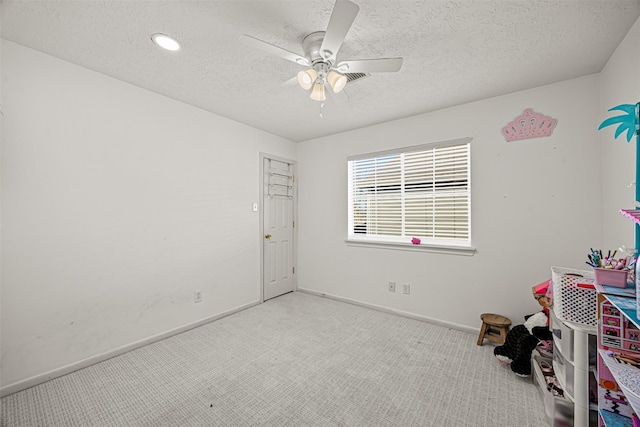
(294, 224)
(294, 270)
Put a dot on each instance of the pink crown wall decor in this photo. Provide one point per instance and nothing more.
(529, 125)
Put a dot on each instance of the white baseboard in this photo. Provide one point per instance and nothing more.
(39, 379)
(414, 316)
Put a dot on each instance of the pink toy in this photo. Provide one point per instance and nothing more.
(415, 241)
(543, 293)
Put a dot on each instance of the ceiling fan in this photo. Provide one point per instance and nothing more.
(320, 52)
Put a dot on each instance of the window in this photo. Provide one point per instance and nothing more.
(421, 192)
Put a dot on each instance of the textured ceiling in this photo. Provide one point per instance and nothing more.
(454, 51)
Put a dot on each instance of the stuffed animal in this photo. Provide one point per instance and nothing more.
(521, 340)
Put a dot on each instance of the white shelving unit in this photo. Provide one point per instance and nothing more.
(574, 355)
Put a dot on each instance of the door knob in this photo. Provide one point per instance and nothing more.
(267, 236)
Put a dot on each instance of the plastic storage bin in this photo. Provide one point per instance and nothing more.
(565, 372)
(574, 296)
(562, 337)
(538, 380)
(556, 408)
(610, 277)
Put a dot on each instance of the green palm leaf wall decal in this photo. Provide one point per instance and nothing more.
(629, 122)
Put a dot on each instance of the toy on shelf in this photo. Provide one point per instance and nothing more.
(609, 393)
(634, 214)
(619, 361)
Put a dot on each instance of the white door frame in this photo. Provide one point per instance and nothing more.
(295, 219)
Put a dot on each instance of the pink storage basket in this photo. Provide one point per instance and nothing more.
(611, 277)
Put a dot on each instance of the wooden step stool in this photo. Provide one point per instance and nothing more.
(494, 328)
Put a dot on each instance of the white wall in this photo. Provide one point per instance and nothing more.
(534, 205)
(619, 84)
(117, 203)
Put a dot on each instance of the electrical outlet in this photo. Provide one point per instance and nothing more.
(392, 286)
(406, 288)
(197, 296)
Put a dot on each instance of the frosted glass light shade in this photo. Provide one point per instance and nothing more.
(306, 78)
(317, 94)
(337, 81)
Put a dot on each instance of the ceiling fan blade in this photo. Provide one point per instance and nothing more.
(382, 65)
(343, 15)
(274, 50)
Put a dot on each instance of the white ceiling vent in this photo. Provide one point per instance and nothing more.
(351, 77)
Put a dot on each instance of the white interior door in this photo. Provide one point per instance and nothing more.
(278, 225)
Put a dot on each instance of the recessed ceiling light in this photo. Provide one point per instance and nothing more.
(165, 42)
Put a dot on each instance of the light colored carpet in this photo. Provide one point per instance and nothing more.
(297, 360)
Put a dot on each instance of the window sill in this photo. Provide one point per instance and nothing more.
(451, 250)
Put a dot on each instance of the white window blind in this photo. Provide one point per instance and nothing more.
(421, 192)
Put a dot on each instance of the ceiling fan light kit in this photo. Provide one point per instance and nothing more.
(317, 93)
(317, 77)
(306, 78)
(337, 81)
(321, 50)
